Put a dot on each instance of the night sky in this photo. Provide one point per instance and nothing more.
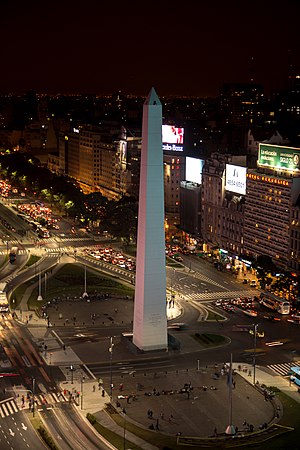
(187, 48)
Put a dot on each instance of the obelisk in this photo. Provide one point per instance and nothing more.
(150, 317)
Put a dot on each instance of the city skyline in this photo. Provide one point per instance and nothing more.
(187, 50)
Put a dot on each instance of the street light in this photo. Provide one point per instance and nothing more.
(82, 381)
(255, 325)
(110, 358)
(124, 428)
(72, 368)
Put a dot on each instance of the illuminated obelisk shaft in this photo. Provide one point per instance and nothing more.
(150, 319)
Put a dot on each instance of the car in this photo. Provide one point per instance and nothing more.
(218, 302)
(253, 283)
(250, 312)
(295, 317)
(272, 318)
(177, 326)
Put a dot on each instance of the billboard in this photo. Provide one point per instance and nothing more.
(123, 151)
(193, 169)
(236, 179)
(172, 138)
(279, 157)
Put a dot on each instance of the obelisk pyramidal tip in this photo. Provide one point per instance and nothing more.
(152, 98)
(150, 317)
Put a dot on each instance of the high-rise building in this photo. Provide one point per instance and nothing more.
(271, 207)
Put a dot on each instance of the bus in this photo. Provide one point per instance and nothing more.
(43, 233)
(4, 307)
(295, 375)
(275, 303)
(13, 254)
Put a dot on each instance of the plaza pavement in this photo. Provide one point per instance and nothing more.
(199, 413)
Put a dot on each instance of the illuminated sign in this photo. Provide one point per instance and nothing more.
(278, 157)
(172, 138)
(267, 179)
(193, 169)
(236, 179)
(123, 152)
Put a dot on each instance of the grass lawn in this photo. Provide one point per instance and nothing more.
(208, 340)
(32, 260)
(18, 293)
(69, 282)
(291, 418)
(5, 259)
(212, 316)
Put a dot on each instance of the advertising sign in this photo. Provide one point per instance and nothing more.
(278, 157)
(236, 179)
(123, 152)
(193, 169)
(172, 138)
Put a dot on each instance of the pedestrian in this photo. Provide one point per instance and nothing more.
(233, 384)
(121, 386)
(215, 432)
(103, 393)
(94, 388)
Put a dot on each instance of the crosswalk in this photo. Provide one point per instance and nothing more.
(13, 405)
(218, 295)
(283, 369)
(21, 251)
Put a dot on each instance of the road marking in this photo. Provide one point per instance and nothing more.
(7, 399)
(9, 407)
(14, 406)
(89, 371)
(25, 359)
(5, 409)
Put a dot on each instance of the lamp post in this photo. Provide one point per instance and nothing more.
(255, 325)
(124, 428)
(33, 391)
(45, 285)
(72, 368)
(110, 359)
(82, 381)
(85, 294)
(40, 298)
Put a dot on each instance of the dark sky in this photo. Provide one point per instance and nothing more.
(181, 48)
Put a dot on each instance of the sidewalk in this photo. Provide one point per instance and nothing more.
(264, 376)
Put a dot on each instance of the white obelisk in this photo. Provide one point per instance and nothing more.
(150, 317)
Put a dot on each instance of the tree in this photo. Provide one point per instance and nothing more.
(121, 220)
